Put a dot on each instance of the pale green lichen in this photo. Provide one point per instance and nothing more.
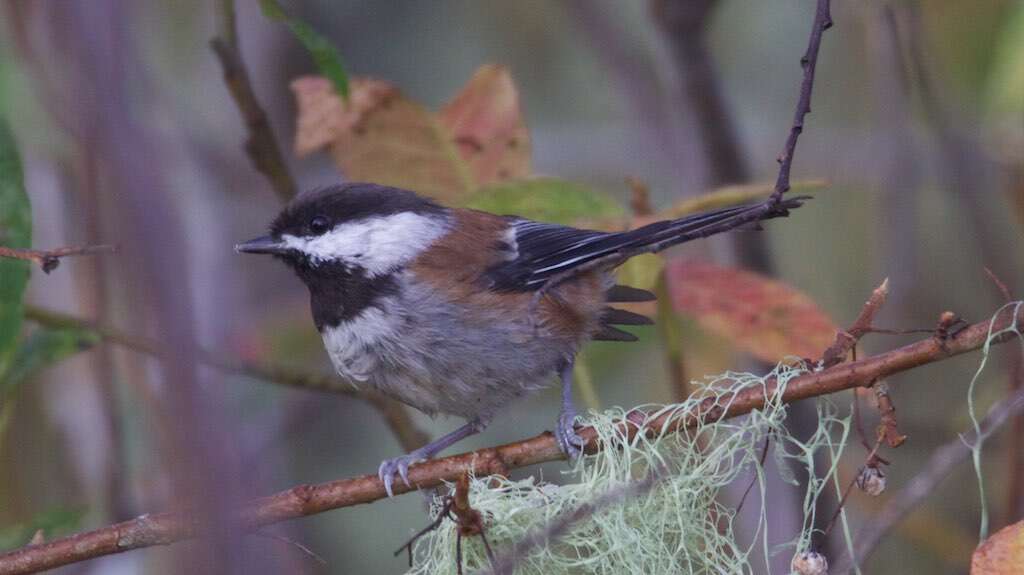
(679, 526)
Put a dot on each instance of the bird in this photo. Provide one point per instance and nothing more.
(460, 312)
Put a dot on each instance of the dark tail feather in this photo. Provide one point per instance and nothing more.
(617, 316)
(609, 333)
(627, 294)
(661, 235)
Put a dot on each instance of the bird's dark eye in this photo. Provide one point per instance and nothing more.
(319, 225)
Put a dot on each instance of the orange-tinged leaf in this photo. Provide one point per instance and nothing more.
(322, 113)
(381, 136)
(487, 126)
(762, 316)
(1002, 553)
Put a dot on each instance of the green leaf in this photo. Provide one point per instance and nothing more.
(16, 232)
(53, 522)
(324, 54)
(1006, 81)
(547, 200)
(44, 348)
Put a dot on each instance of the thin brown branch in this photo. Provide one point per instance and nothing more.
(847, 340)
(261, 145)
(303, 500)
(809, 62)
(48, 260)
(888, 427)
(396, 415)
(942, 462)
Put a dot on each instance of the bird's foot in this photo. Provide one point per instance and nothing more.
(569, 442)
(400, 465)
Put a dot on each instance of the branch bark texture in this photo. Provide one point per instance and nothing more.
(261, 145)
(48, 260)
(303, 500)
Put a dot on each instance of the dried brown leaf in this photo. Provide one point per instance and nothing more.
(381, 136)
(487, 126)
(1002, 553)
(762, 316)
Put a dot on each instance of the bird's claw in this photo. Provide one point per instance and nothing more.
(569, 441)
(388, 468)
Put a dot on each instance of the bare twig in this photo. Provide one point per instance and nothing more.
(869, 460)
(847, 340)
(469, 521)
(809, 62)
(397, 416)
(888, 428)
(303, 500)
(939, 466)
(261, 146)
(48, 260)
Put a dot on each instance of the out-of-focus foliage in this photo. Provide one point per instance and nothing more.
(52, 523)
(15, 232)
(326, 56)
(548, 200)
(381, 136)
(1006, 83)
(43, 348)
(761, 316)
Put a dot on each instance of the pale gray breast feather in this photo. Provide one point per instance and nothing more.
(355, 345)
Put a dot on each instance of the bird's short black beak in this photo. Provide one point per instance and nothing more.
(261, 245)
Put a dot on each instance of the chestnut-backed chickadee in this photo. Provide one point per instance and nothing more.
(458, 311)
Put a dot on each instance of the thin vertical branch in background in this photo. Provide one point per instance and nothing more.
(80, 128)
(261, 144)
(204, 474)
(636, 76)
(965, 167)
(966, 173)
(900, 169)
(685, 25)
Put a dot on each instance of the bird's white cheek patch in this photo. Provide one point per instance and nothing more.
(378, 244)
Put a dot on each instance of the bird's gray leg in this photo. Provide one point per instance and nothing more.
(565, 432)
(400, 465)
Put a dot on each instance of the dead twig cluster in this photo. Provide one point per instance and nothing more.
(469, 521)
(261, 145)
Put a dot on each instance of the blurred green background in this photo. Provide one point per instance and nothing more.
(128, 136)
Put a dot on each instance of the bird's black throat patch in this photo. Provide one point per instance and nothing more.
(338, 293)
